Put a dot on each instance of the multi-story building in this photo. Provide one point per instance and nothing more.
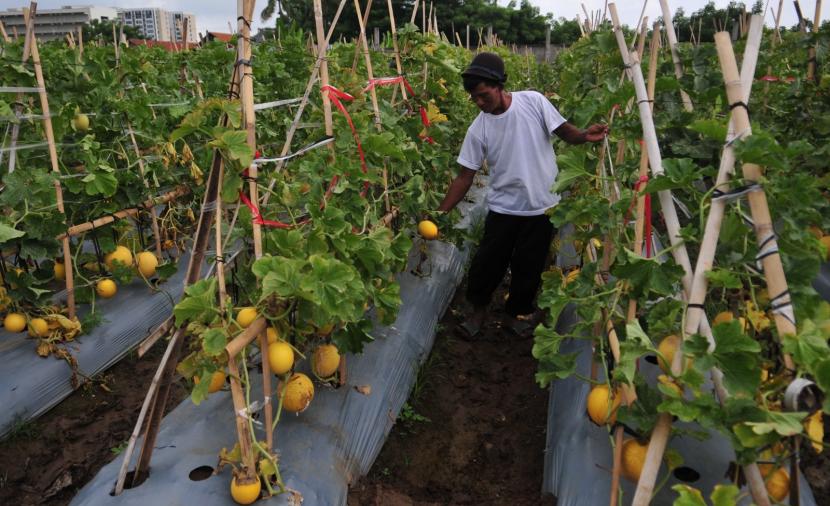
(153, 24)
(159, 24)
(177, 24)
(53, 24)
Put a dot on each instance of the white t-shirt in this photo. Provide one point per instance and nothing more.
(517, 147)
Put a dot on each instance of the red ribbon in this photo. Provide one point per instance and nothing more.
(773, 79)
(647, 213)
(258, 219)
(335, 96)
(388, 81)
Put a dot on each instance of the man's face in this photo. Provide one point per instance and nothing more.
(486, 97)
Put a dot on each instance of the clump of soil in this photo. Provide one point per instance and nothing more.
(484, 439)
(46, 461)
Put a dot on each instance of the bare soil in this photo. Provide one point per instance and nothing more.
(48, 460)
(484, 439)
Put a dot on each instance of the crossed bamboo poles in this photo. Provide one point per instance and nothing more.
(694, 291)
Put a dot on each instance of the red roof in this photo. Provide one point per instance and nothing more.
(223, 37)
(165, 44)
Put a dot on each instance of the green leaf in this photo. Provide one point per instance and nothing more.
(100, 183)
(647, 275)
(784, 424)
(198, 304)
(711, 128)
(722, 278)
(214, 341)
(688, 496)
(8, 233)
(725, 495)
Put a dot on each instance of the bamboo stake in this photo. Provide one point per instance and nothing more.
(18, 108)
(153, 214)
(468, 37)
(778, 20)
(124, 213)
(772, 266)
(641, 42)
(5, 35)
(414, 12)
(811, 52)
(430, 28)
(395, 45)
(220, 259)
(802, 25)
(360, 37)
(324, 72)
(242, 428)
(154, 336)
(639, 224)
(246, 94)
(115, 45)
(424, 17)
(53, 156)
(675, 55)
(374, 96)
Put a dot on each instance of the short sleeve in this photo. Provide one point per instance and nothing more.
(550, 115)
(472, 150)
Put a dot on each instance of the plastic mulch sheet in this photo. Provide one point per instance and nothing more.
(338, 437)
(31, 385)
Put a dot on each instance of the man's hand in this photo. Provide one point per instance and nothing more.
(596, 132)
(573, 135)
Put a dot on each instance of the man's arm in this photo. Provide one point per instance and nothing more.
(458, 188)
(573, 135)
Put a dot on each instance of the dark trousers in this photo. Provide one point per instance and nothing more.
(521, 242)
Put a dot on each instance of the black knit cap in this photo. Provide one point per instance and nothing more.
(488, 66)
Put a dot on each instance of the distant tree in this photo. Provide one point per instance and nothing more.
(518, 22)
(709, 20)
(103, 29)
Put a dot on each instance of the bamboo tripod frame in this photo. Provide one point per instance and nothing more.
(662, 430)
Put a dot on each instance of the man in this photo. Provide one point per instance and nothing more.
(513, 135)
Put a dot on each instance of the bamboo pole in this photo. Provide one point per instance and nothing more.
(5, 35)
(373, 94)
(53, 156)
(245, 9)
(414, 12)
(324, 71)
(641, 41)
(148, 342)
(811, 52)
(115, 45)
(639, 224)
(360, 36)
(468, 37)
(79, 229)
(242, 428)
(80, 41)
(395, 45)
(153, 214)
(772, 266)
(18, 108)
(675, 55)
(778, 20)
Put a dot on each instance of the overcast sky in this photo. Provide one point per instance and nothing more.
(214, 14)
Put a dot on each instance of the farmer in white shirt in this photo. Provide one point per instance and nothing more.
(513, 134)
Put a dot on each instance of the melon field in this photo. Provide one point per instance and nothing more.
(224, 278)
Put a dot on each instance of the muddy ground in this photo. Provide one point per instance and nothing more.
(474, 428)
(48, 460)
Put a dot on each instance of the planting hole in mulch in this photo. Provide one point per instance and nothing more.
(201, 473)
(686, 474)
(128, 482)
